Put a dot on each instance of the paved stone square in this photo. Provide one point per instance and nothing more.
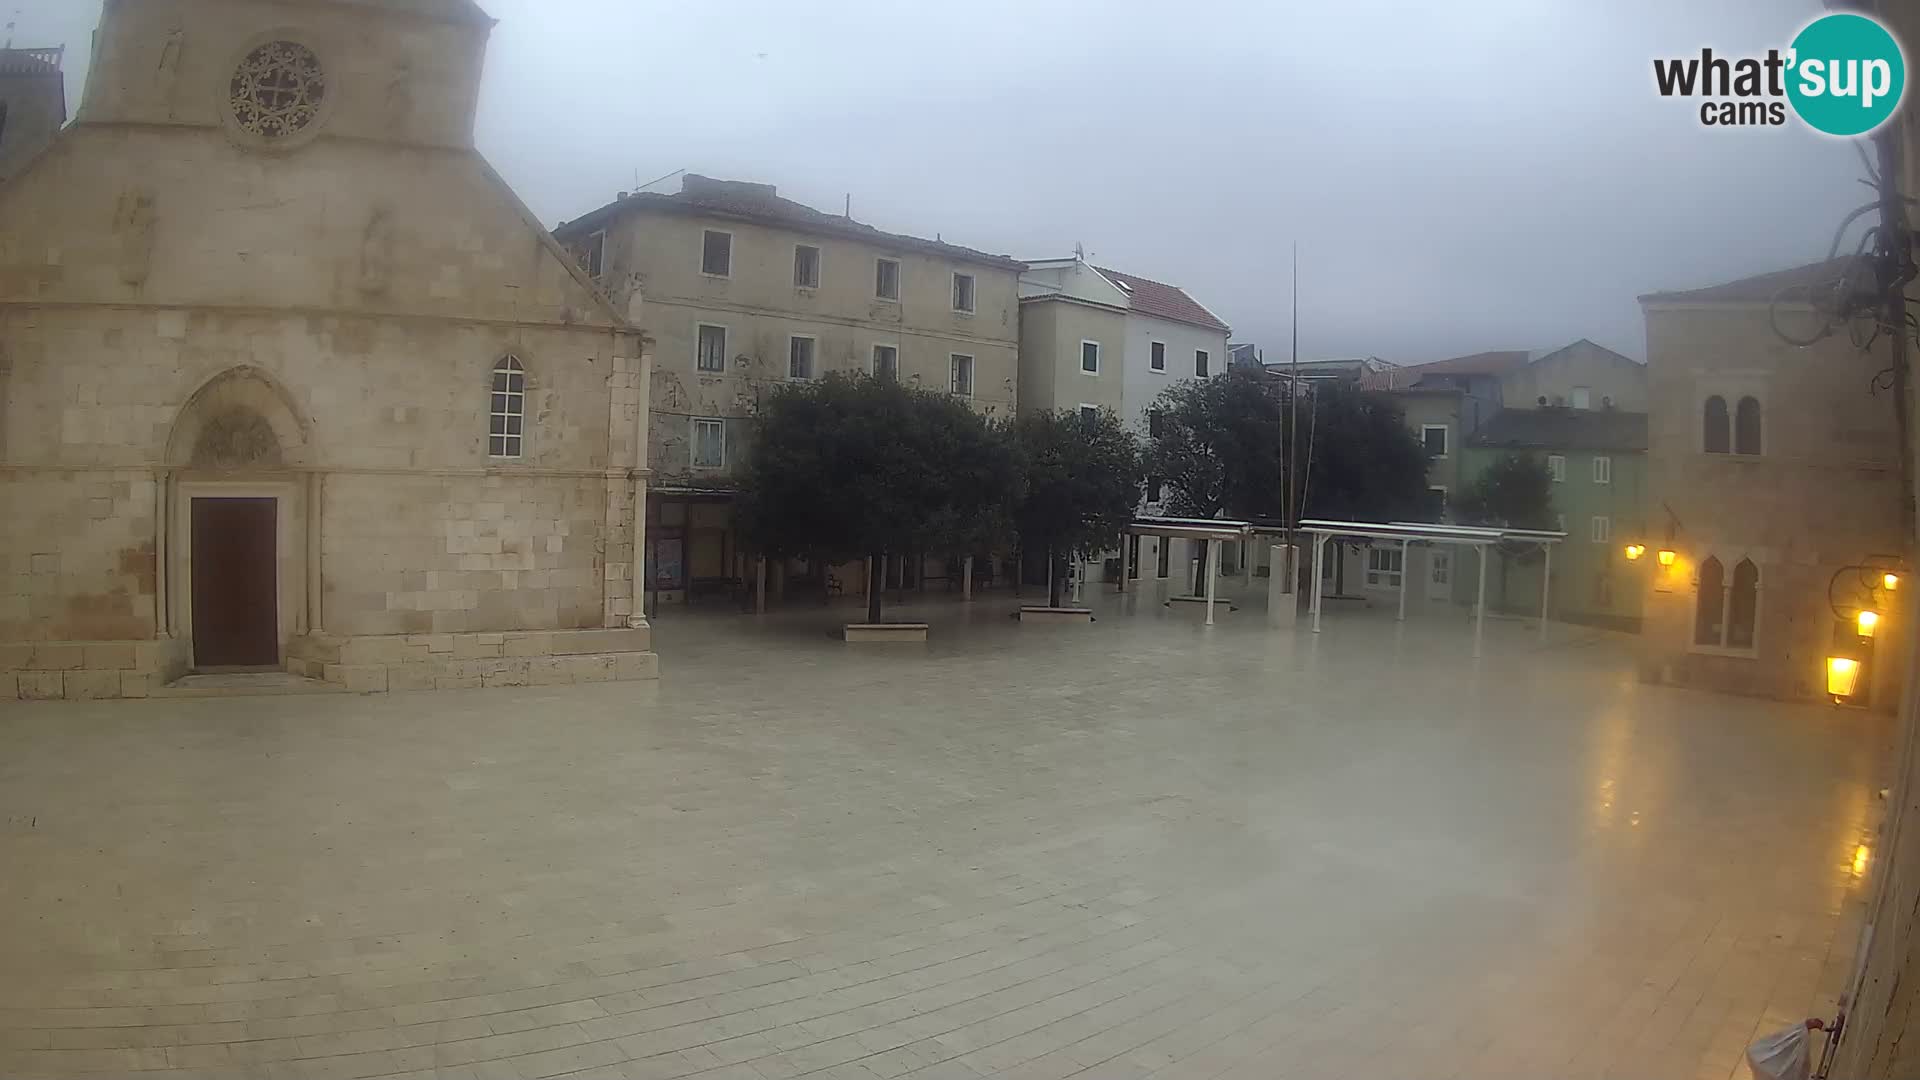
(1141, 848)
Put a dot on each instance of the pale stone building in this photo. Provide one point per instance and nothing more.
(33, 104)
(746, 291)
(1772, 471)
(291, 378)
(1092, 338)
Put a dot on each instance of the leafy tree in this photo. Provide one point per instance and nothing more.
(1082, 481)
(1515, 492)
(851, 466)
(1363, 464)
(1219, 446)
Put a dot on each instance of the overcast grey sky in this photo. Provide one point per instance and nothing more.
(1459, 177)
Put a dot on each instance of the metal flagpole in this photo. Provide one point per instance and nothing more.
(1293, 511)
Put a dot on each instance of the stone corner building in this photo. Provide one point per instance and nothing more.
(289, 377)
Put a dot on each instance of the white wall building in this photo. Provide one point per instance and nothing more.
(1094, 337)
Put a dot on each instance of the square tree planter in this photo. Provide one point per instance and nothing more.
(886, 631)
(1056, 614)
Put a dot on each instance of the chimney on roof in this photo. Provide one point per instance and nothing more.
(619, 196)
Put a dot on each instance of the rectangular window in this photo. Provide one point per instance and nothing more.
(886, 279)
(963, 293)
(1582, 398)
(1435, 437)
(1602, 529)
(710, 351)
(1155, 488)
(709, 444)
(1089, 413)
(1438, 493)
(806, 267)
(1557, 467)
(799, 357)
(1165, 556)
(509, 411)
(1156, 423)
(1200, 363)
(1560, 523)
(716, 253)
(960, 374)
(1384, 567)
(1090, 357)
(1603, 470)
(886, 362)
(1158, 361)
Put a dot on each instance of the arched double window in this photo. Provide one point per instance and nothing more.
(1726, 612)
(1735, 431)
(508, 413)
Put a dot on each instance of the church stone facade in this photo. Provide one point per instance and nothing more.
(290, 378)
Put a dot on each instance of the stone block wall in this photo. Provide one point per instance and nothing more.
(76, 555)
(82, 670)
(458, 661)
(459, 554)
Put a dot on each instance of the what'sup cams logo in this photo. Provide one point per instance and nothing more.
(1843, 75)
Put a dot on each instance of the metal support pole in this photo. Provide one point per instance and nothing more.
(1319, 556)
(1546, 583)
(1403, 581)
(1127, 558)
(966, 578)
(760, 585)
(1480, 606)
(1213, 576)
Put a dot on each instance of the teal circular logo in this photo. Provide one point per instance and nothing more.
(1846, 75)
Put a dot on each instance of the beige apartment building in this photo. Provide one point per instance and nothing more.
(747, 291)
(290, 379)
(1773, 473)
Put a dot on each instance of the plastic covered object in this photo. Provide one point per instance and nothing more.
(1783, 1055)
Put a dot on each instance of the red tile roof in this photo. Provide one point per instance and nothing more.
(1480, 363)
(1163, 301)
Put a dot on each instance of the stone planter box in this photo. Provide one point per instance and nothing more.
(887, 631)
(1056, 614)
(1220, 603)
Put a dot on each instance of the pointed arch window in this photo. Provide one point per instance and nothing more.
(1727, 608)
(1717, 426)
(1710, 604)
(507, 419)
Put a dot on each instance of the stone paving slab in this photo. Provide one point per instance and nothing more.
(1136, 848)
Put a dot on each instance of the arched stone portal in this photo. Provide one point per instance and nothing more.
(240, 506)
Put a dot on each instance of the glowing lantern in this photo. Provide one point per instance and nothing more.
(1843, 672)
(1865, 622)
(1666, 556)
(1634, 551)
(1890, 580)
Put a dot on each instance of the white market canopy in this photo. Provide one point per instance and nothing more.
(1408, 532)
(1190, 529)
